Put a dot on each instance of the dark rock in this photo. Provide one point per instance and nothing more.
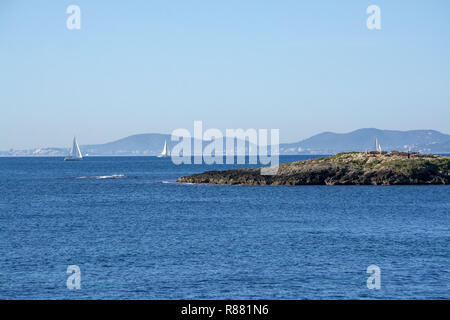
(355, 168)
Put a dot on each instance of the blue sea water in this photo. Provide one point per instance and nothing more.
(136, 234)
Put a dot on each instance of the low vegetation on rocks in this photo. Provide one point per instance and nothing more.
(349, 168)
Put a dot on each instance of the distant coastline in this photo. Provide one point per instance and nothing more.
(150, 144)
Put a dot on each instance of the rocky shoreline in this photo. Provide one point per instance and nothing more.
(351, 168)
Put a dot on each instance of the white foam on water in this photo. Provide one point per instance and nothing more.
(113, 176)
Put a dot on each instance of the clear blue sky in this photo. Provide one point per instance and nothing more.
(153, 66)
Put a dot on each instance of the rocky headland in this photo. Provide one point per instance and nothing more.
(350, 168)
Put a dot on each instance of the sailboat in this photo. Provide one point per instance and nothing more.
(377, 145)
(165, 152)
(75, 155)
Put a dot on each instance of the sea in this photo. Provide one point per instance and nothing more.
(132, 232)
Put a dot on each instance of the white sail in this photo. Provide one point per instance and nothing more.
(75, 154)
(377, 145)
(165, 152)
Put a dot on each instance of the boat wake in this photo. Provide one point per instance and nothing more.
(169, 182)
(113, 176)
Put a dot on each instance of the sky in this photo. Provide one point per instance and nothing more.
(303, 67)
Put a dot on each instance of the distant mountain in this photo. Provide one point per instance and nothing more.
(364, 139)
(424, 141)
(139, 144)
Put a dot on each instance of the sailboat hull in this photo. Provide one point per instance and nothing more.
(72, 159)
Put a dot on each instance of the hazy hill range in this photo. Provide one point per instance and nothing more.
(364, 139)
(424, 141)
(138, 144)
